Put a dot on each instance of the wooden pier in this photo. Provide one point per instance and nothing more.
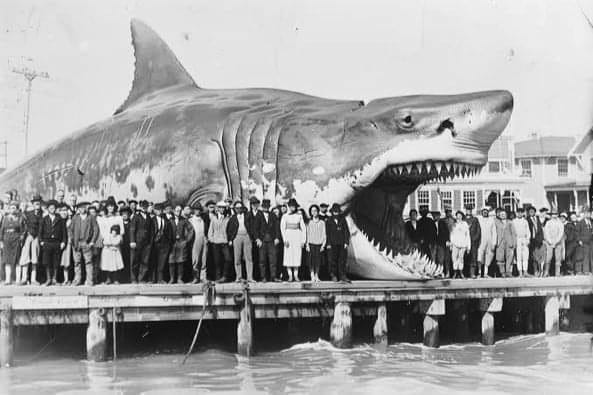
(102, 305)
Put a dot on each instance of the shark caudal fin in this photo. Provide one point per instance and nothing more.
(156, 66)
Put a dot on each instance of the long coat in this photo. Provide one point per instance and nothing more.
(12, 233)
(183, 233)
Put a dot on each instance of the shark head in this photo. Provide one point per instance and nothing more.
(370, 159)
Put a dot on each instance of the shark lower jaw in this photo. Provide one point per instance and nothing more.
(375, 217)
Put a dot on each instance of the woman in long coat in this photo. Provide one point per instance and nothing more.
(12, 233)
(294, 234)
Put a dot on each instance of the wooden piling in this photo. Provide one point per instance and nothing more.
(341, 327)
(489, 306)
(431, 309)
(6, 337)
(380, 329)
(96, 336)
(245, 344)
(564, 306)
(552, 315)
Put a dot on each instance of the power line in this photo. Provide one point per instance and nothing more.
(29, 75)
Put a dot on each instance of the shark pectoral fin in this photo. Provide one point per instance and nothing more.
(156, 66)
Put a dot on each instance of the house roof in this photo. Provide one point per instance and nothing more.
(544, 147)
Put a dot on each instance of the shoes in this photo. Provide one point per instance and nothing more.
(334, 279)
(116, 282)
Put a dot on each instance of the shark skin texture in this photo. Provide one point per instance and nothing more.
(173, 140)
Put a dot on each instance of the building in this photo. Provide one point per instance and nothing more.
(553, 176)
(497, 185)
(549, 171)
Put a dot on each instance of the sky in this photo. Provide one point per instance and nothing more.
(541, 51)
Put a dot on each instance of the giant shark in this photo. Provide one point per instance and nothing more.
(174, 140)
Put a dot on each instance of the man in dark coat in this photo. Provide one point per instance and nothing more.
(254, 209)
(183, 233)
(338, 239)
(141, 243)
(162, 241)
(585, 244)
(125, 213)
(411, 227)
(570, 232)
(427, 233)
(475, 237)
(536, 242)
(53, 236)
(85, 233)
(241, 235)
(30, 250)
(442, 244)
(267, 238)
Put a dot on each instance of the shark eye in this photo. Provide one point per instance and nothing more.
(406, 122)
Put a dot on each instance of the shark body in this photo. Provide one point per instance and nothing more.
(172, 140)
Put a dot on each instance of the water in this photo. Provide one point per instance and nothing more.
(531, 364)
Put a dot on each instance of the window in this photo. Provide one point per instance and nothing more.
(423, 198)
(493, 167)
(562, 167)
(446, 199)
(525, 168)
(469, 198)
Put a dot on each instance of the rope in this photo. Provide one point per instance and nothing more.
(209, 293)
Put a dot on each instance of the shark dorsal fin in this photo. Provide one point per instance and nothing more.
(156, 66)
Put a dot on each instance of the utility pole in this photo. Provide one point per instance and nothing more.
(29, 75)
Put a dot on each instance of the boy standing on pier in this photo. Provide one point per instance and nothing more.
(30, 251)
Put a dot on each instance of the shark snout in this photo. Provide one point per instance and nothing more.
(476, 121)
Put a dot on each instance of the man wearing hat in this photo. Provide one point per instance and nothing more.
(183, 233)
(267, 238)
(323, 213)
(133, 205)
(199, 249)
(218, 239)
(241, 235)
(141, 233)
(536, 241)
(585, 243)
(554, 242)
(85, 233)
(487, 241)
(338, 239)
(30, 250)
(570, 243)
(124, 274)
(163, 240)
(523, 235)
(254, 209)
(53, 237)
(427, 233)
(475, 235)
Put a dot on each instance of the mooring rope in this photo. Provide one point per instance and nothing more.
(208, 291)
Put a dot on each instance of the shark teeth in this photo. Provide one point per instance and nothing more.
(431, 171)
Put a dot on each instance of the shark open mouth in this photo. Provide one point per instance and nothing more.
(381, 224)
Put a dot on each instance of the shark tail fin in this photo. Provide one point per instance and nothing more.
(156, 66)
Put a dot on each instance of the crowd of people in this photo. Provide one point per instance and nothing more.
(73, 243)
(504, 244)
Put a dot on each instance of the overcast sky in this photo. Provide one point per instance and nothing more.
(542, 51)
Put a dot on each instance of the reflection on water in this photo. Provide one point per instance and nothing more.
(525, 364)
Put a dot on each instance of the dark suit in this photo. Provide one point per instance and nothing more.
(183, 234)
(570, 231)
(125, 252)
(337, 238)
(443, 255)
(475, 235)
(162, 242)
(413, 233)
(51, 234)
(141, 233)
(427, 235)
(267, 232)
(585, 241)
(536, 243)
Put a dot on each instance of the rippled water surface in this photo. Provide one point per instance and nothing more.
(533, 364)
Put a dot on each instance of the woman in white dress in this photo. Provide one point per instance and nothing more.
(105, 223)
(111, 259)
(294, 235)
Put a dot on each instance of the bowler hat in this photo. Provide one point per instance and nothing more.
(82, 204)
(36, 198)
(265, 203)
(125, 210)
(143, 203)
(324, 205)
(130, 201)
(335, 208)
(159, 206)
(52, 202)
(254, 200)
